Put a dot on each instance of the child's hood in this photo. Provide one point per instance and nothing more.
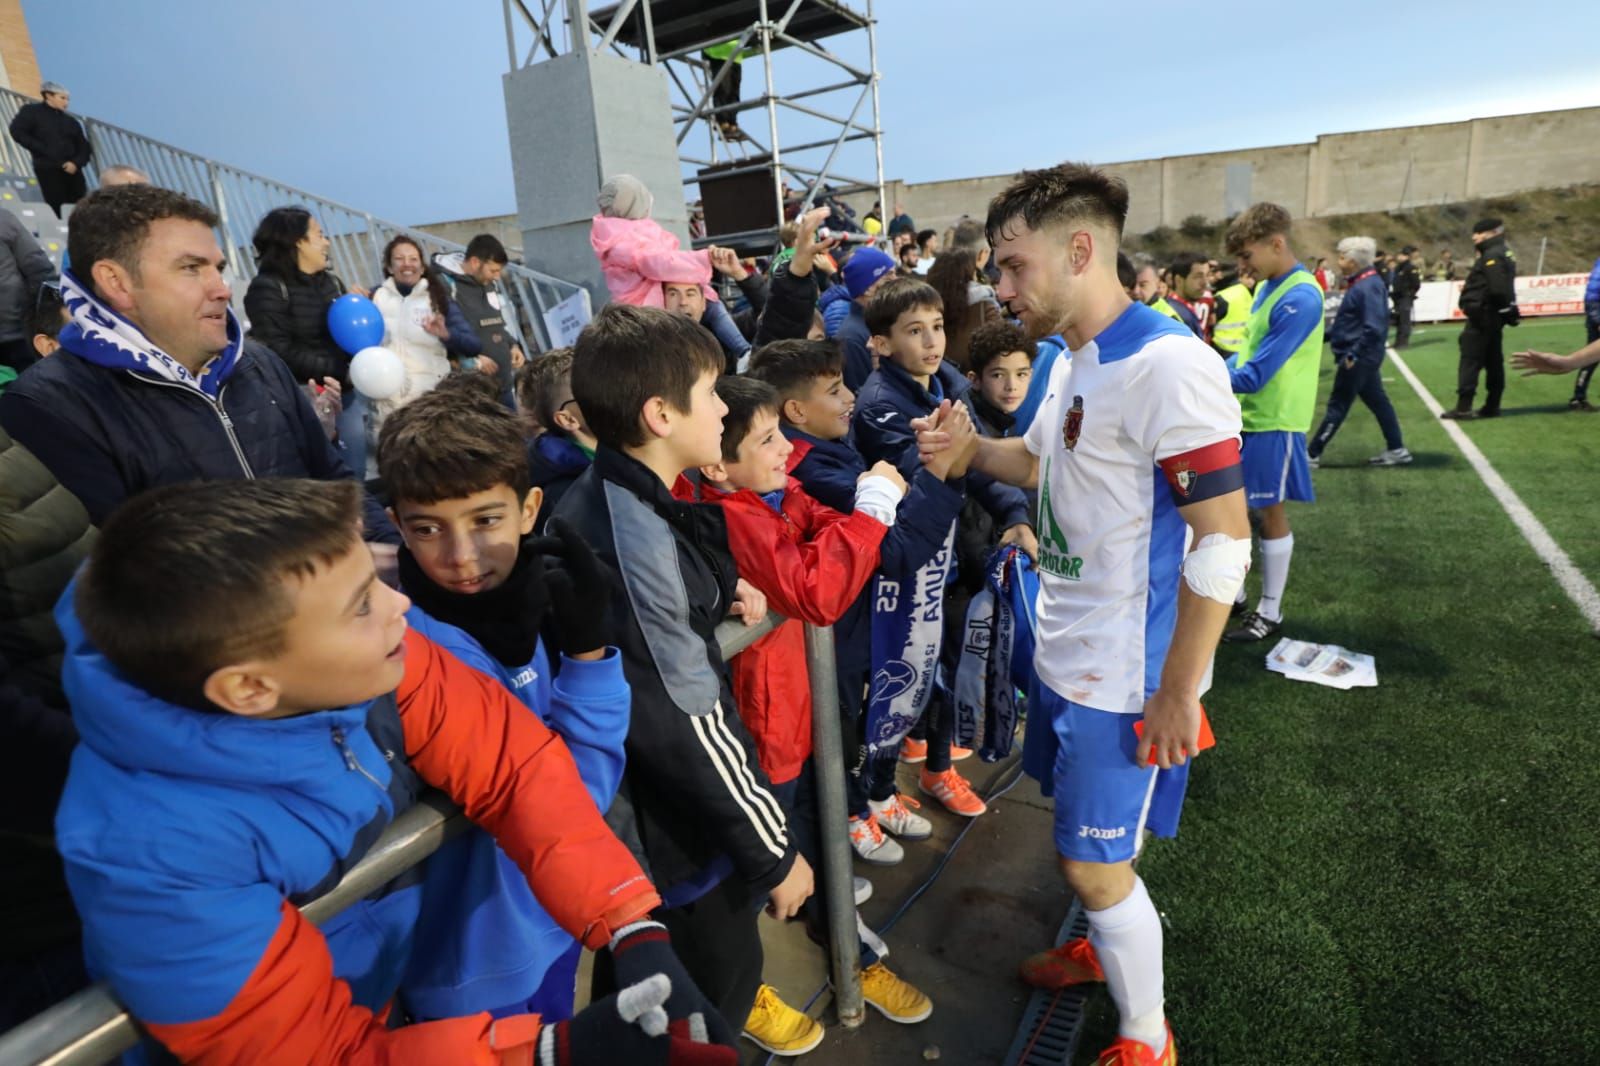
(128, 727)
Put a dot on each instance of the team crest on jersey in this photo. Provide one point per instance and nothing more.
(1074, 424)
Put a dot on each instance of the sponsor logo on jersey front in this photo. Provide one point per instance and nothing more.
(1055, 556)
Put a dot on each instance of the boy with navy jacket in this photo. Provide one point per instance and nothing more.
(815, 408)
(906, 318)
(480, 587)
(563, 447)
(694, 803)
(252, 714)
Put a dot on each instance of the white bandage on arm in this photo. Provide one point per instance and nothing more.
(879, 497)
(1216, 567)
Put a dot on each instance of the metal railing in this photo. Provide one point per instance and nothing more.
(92, 1027)
(241, 198)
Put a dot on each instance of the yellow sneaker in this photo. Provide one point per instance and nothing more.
(775, 1026)
(895, 999)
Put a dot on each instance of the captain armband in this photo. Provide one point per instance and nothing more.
(1203, 473)
(1216, 567)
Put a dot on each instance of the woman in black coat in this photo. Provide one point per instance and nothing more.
(287, 301)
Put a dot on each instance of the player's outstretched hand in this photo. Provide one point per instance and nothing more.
(1171, 730)
(632, 1026)
(642, 950)
(1532, 363)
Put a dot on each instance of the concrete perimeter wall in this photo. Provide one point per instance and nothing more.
(1339, 173)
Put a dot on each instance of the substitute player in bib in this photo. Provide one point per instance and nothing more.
(1137, 439)
(1275, 377)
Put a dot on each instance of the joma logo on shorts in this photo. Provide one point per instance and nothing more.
(1097, 833)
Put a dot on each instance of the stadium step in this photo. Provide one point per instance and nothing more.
(1052, 1022)
(39, 220)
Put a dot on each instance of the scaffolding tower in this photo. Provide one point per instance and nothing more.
(782, 171)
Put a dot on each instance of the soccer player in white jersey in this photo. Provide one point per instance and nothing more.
(1136, 443)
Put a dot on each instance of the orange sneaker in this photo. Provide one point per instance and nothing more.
(954, 791)
(1129, 1052)
(913, 750)
(1073, 963)
(958, 753)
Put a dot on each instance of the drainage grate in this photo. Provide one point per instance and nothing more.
(1053, 1021)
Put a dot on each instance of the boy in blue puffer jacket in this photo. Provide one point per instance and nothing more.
(457, 477)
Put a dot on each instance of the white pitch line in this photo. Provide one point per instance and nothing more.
(1579, 589)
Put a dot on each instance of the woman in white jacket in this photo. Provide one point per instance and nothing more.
(423, 326)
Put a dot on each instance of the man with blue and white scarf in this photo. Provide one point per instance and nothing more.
(154, 382)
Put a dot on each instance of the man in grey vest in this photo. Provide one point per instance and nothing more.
(491, 314)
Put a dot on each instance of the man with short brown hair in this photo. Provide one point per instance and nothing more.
(155, 382)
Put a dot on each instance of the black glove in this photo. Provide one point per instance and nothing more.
(642, 950)
(580, 591)
(619, 1028)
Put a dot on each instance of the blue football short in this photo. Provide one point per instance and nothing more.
(1276, 468)
(1104, 800)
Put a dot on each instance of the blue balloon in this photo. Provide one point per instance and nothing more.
(355, 322)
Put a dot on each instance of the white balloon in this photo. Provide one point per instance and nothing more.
(377, 373)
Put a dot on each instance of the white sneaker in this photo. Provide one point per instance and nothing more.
(895, 815)
(1392, 457)
(872, 844)
(863, 890)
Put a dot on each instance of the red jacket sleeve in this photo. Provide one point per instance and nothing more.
(293, 1010)
(817, 579)
(468, 736)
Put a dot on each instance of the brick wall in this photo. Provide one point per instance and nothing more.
(16, 50)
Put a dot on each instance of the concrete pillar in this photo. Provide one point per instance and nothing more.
(574, 120)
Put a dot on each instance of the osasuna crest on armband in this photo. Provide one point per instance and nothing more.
(1074, 424)
(1186, 479)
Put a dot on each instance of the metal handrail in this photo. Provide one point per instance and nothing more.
(241, 198)
(91, 1027)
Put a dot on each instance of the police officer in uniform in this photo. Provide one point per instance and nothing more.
(1489, 303)
(1403, 289)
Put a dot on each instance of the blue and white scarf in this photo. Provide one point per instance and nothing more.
(99, 335)
(996, 655)
(907, 633)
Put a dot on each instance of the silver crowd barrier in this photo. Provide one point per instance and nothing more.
(92, 1027)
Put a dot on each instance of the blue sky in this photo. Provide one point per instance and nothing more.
(395, 106)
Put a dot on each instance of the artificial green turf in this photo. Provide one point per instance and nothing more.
(1545, 452)
(1404, 874)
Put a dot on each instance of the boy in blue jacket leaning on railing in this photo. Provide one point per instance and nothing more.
(457, 478)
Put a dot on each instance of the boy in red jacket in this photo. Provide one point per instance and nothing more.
(812, 563)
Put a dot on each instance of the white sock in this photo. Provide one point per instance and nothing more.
(1127, 940)
(1275, 556)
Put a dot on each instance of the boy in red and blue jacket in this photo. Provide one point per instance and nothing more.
(252, 715)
